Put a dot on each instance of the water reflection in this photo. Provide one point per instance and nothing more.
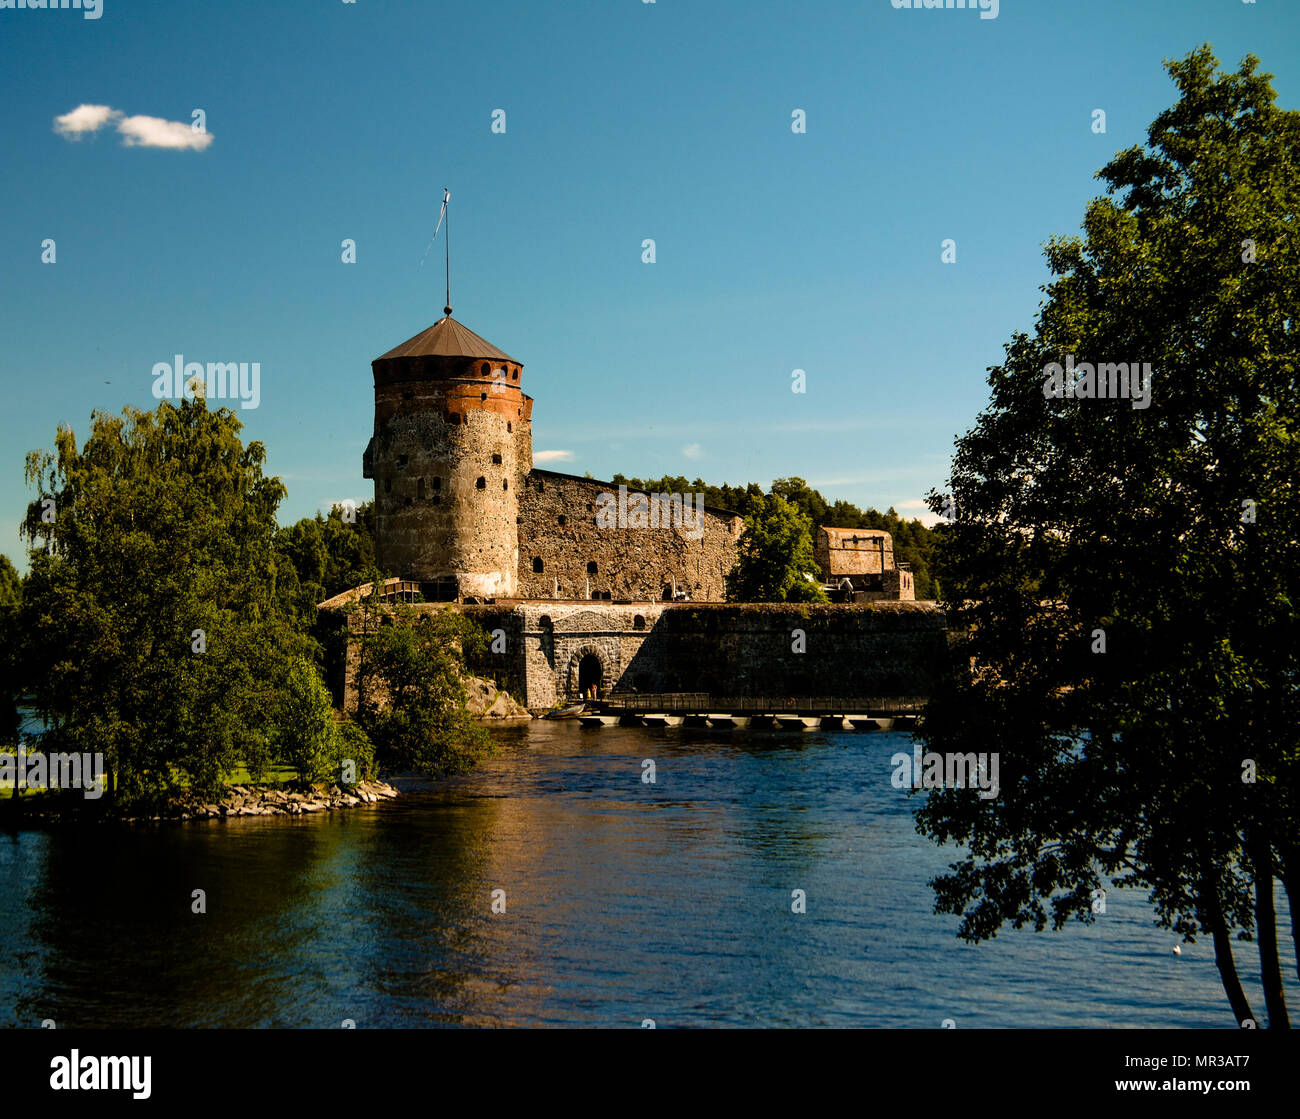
(623, 900)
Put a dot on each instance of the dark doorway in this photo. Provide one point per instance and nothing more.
(590, 676)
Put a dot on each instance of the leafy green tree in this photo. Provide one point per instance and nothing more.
(1123, 574)
(312, 738)
(803, 497)
(150, 626)
(324, 556)
(355, 748)
(11, 584)
(775, 561)
(307, 733)
(11, 598)
(411, 687)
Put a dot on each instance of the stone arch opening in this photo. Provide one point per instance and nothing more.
(591, 674)
(588, 669)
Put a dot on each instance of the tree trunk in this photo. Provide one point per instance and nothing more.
(1212, 918)
(1290, 873)
(1270, 972)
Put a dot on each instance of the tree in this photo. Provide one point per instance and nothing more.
(11, 600)
(312, 738)
(803, 497)
(775, 560)
(1122, 571)
(150, 621)
(308, 737)
(324, 556)
(11, 597)
(411, 686)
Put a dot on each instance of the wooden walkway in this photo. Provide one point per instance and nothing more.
(701, 703)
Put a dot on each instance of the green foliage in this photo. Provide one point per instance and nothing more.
(1082, 515)
(411, 685)
(11, 598)
(913, 542)
(159, 527)
(775, 561)
(355, 747)
(11, 585)
(320, 557)
(307, 734)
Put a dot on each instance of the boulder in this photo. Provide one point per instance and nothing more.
(489, 704)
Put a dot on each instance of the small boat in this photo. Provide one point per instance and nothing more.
(573, 712)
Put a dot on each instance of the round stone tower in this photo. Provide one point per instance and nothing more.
(451, 447)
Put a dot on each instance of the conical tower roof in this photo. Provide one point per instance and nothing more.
(447, 338)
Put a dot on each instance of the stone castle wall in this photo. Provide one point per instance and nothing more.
(741, 650)
(726, 650)
(558, 531)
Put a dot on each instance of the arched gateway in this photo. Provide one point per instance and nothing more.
(587, 669)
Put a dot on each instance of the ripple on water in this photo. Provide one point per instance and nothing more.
(624, 900)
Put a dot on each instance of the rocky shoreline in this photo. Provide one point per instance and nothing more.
(240, 800)
(260, 800)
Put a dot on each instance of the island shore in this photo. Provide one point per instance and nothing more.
(239, 800)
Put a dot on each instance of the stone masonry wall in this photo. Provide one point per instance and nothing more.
(558, 530)
(874, 649)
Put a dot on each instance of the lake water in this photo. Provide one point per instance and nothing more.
(623, 901)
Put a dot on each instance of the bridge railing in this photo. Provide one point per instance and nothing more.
(703, 703)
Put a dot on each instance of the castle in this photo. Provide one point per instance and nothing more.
(582, 604)
(461, 510)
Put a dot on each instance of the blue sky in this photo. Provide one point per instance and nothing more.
(625, 120)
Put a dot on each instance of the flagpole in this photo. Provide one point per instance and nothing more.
(446, 198)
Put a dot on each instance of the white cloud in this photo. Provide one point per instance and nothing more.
(918, 510)
(154, 132)
(692, 450)
(136, 132)
(83, 119)
(552, 456)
